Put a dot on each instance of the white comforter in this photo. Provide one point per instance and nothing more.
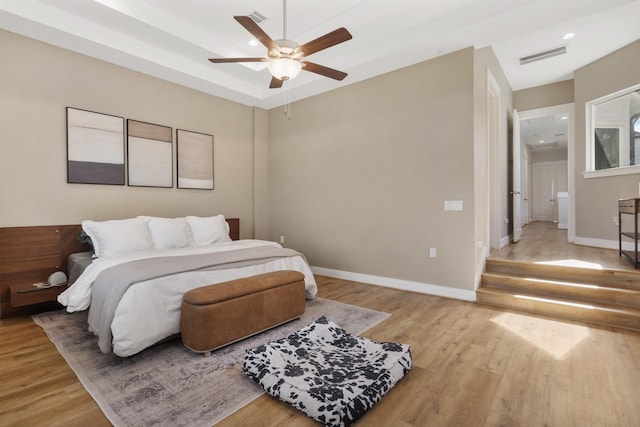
(150, 311)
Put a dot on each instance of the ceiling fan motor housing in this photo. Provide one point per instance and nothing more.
(286, 49)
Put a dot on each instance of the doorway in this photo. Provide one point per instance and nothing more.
(547, 141)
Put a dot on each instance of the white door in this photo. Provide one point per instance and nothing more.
(542, 199)
(547, 181)
(516, 192)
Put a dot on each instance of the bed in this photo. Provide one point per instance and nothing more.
(133, 281)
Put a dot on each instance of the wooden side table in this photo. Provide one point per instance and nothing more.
(24, 295)
(629, 207)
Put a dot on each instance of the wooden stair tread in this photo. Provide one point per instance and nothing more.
(602, 296)
(603, 314)
(563, 289)
(595, 306)
(605, 277)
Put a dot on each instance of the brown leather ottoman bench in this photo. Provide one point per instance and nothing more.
(217, 315)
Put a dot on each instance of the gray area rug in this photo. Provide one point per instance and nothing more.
(169, 385)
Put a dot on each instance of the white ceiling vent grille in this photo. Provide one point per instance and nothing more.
(257, 17)
(543, 55)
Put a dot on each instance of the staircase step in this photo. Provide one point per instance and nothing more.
(578, 292)
(621, 317)
(623, 279)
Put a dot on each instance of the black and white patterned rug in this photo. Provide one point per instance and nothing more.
(168, 385)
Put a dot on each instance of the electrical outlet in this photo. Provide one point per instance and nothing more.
(432, 252)
(281, 239)
(615, 220)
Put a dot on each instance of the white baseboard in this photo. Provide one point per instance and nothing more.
(603, 243)
(405, 285)
(504, 241)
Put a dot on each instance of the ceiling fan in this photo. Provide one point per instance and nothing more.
(285, 57)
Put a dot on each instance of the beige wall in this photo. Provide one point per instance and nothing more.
(356, 179)
(596, 198)
(544, 96)
(261, 173)
(37, 82)
(358, 176)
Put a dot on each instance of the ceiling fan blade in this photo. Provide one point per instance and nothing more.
(324, 71)
(275, 83)
(330, 39)
(223, 60)
(257, 32)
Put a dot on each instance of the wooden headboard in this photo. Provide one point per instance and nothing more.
(234, 228)
(30, 254)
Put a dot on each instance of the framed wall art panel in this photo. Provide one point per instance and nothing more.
(195, 160)
(150, 154)
(95, 148)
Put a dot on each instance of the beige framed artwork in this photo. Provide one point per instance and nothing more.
(150, 154)
(95, 148)
(195, 160)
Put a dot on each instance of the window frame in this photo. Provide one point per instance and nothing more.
(625, 132)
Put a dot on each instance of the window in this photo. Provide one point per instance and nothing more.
(614, 140)
(606, 150)
(635, 139)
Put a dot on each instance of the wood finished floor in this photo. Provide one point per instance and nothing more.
(473, 366)
(543, 241)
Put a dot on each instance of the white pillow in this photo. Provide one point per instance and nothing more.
(168, 233)
(118, 237)
(208, 230)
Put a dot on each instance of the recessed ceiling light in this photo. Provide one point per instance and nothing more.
(568, 36)
(564, 117)
(253, 42)
(541, 141)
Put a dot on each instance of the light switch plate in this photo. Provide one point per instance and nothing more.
(453, 205)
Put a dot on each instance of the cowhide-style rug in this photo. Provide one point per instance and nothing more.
(169, 384)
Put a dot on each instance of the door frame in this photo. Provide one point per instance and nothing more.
(493, 167)
(516, 187)
(569, 110)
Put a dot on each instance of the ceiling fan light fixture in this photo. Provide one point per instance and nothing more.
(284, 68)
(285, 57)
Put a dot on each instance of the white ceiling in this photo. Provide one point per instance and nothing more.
(545, 132)
(172, 39)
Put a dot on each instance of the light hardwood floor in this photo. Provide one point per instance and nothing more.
(473, 366)
(543, 241)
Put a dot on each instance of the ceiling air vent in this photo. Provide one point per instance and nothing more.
(257, 17)
(543, 55)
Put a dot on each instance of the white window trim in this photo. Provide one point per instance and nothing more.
(622, 170)
(590, 172)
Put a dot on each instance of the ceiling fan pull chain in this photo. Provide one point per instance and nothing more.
(287, 103)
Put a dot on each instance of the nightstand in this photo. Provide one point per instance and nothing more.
(24, 295)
